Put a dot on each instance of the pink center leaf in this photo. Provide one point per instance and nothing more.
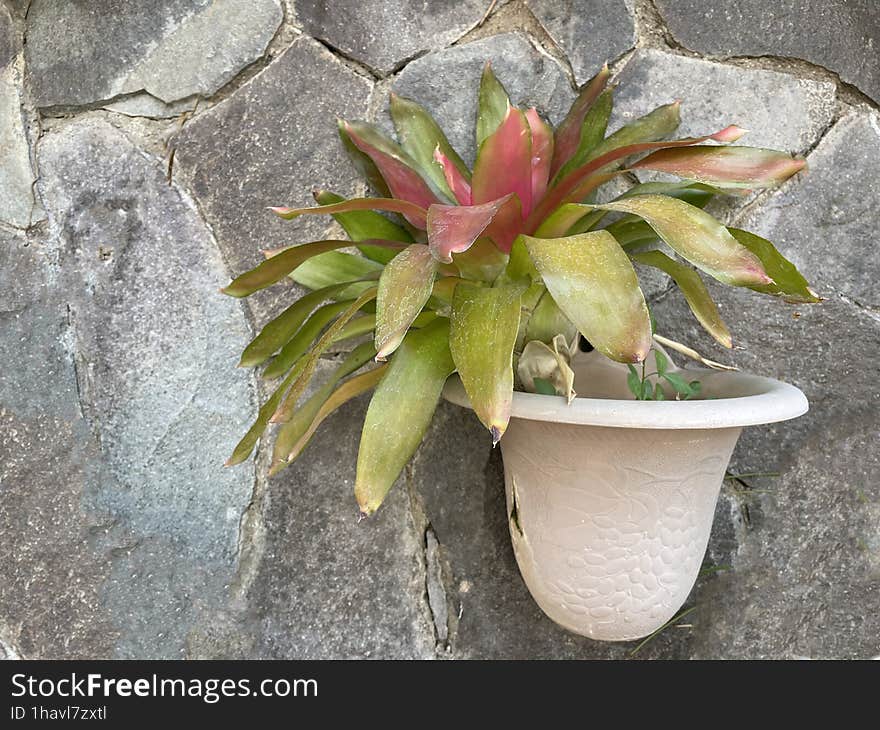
(504, 163)
(403, 181)
(542, 153)
(454, 228)
(457, 183)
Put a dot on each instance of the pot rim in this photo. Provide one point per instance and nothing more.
(760, 400)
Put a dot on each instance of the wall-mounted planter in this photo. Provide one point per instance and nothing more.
(611, 499)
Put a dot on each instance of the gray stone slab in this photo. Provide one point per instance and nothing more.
(589, 32)
(778, 110)
(530, 76)
(841, 35)
(50, 572)
(329, 586)
(120, 445)
(272, 143)
(172, 48)
(385, 34)
(17, 205)
(826, 221)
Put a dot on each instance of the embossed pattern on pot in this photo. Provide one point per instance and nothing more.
(609, 537)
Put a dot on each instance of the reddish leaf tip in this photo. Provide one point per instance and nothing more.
(729, 134)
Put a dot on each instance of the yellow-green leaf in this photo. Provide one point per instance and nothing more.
(285, 410)
(305, 430)
(696, 236)
(420, 136)
(361, 225)
(788, 282)
(292, 431)
(695, 292)
(491, 106)
(482, 335)
(404, 288)
(593, 282)
(299, 343)
(401, 410)
(275, 268)
(247, 443)
(284, 327)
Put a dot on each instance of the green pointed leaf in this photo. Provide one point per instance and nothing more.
(593, 282)
(652, 127)
(299, 344)
(695, 292)
(592, 132)
(492, 104)
(680, 384)
(482, 335)
(542, 152)
(244, 448)
(336, 267)
(696, 236)
(286, 409)
(631, 232)
(361, 225)
(415, 214)
(634, 382)
(275, 268)
(293, 430)
(357, 327)
(401, 410)
(661, 362)
(404, 288)
(570, 132)
(788, 282)
(420, 136)
(284, 327)
(301, 430)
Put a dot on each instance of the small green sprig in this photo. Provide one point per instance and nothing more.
(642, 388)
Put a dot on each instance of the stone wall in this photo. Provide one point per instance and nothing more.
(139, 145)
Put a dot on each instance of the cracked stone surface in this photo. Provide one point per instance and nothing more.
(121, 534)
(797, 28)
(780, 111)
(384, 34)
(271, 144)
(530, 76)
(589, 32)
(17, 205)
(170, 48)
(132, 417)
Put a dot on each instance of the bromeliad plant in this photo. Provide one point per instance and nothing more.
(476, 265)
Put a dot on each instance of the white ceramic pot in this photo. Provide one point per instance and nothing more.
(610, 500)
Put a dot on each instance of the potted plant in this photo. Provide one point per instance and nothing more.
(477, 284)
